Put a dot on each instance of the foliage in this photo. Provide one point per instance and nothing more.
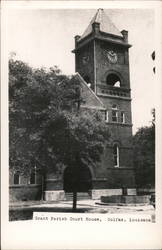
(76, 137)
(144, 156)
(47, 126)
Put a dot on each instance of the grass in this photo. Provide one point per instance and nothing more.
(20, 211)
(24, 210)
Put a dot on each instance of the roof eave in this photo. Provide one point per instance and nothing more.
(93, 37)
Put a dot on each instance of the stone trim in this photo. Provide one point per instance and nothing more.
(99, 179)
(55, 179)
(54, 195)
(92, 37)
(120, 168)
(112, 35)
(111, 87)
(122, 147)
(97, 193)
(111, 40)
(93, 107)
(88, 39)
(121, 124)
(24, 185)
(114, 97)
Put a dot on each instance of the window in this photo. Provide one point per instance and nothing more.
(106, 116)
(116, 155)
(16, 178)
(113, 80)
(114, 116)
(114, 106)
(114, 113)
(33, 178)
(122, 117)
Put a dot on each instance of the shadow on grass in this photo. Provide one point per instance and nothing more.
(27, 213)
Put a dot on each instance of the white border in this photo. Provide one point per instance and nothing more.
(29, 235)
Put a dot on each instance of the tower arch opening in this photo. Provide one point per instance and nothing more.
(113, 80)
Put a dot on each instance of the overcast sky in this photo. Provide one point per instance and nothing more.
(45, 37)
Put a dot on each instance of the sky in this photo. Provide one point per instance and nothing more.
(45, 37)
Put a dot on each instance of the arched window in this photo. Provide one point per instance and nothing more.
(113, 80)
(114, 113)
(114, 106)
(116, 155)
(16, 178)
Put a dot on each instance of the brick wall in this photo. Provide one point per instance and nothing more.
(103, 65)
(115, 178)
(83, 68)
(25, 192)
(54, 184)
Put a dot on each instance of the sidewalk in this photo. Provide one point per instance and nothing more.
(90, 206)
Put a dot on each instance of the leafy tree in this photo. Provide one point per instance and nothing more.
(33, 95)
(144, 151)
(144, 155)
(76, 139)
(47, 126)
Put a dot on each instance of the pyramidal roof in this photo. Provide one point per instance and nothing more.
(105, 24)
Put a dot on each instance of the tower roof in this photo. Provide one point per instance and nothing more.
(106, 25)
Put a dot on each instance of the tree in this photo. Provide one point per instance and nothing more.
(47, 126)
(144, 151)
(33, 95)
(144, 155)
(76, 139)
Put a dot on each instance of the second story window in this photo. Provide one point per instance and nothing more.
(122, 117)
(114, 113)
(106, 116)
(116, 155)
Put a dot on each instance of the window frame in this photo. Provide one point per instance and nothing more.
(115, 110)
(33, 174)
(122, 117)
(116, 156)
(106, 116)
(16, 174)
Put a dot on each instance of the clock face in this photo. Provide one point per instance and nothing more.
(112, 56)
(85, 59)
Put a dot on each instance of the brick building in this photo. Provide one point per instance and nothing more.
(102, 66)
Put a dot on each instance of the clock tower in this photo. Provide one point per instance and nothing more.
(102, 59)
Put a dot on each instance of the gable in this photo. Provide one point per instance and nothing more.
(90, 100)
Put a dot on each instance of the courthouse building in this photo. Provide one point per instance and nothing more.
(102, 68)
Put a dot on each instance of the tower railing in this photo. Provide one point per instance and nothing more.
(115, 91)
